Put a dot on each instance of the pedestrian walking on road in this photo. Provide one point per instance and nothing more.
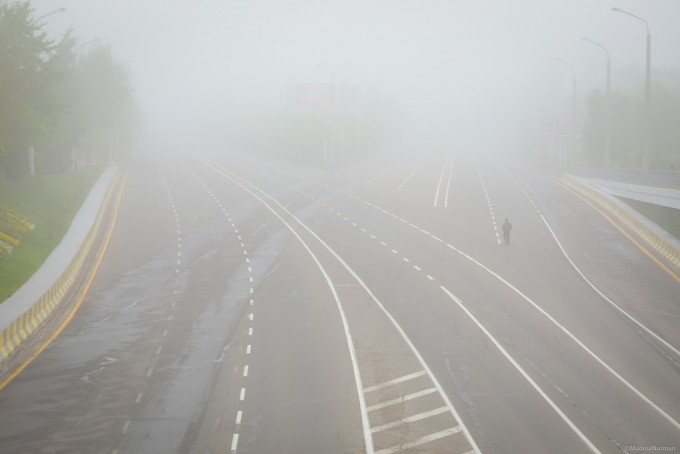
(506, 231)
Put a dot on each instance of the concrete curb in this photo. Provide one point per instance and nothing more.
(652, 235)
(22, 314)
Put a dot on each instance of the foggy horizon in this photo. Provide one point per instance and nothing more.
(465, 66)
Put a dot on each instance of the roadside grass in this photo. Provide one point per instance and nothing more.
(50, 202)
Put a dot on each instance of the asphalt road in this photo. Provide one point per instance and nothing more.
(253, 307)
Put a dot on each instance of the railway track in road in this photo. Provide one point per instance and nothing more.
(402, 404)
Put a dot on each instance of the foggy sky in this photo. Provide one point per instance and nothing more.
(476, 63)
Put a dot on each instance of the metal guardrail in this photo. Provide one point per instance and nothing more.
(664, 246)
(27, 323)
(659, 178)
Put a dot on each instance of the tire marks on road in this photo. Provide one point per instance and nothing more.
(381, 406)
(233, 446)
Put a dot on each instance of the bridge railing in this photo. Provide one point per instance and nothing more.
(660, 178)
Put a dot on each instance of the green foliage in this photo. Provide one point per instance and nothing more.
(50, 202)
(28, 106)
(49, 98)
(627, 123)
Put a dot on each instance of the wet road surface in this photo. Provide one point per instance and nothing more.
(246, 306)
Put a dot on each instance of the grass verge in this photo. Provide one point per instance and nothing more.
(50, 202)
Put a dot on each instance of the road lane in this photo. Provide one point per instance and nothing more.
(246, 354)
(669, 375)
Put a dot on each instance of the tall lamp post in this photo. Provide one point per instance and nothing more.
(607, 114)
(573, 111)
(646, 141)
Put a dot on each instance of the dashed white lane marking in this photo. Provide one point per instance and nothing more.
(158, 350)
(149, 372)
(248, 349)
(139, 398)
(599, 360)
(126, 426)
(239, 413)
(394, 402)
(242, 394)
(488, 200)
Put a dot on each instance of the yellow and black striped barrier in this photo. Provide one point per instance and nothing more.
(665, 248)
(27, 323)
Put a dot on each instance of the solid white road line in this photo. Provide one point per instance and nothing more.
(606, 298)
(576, 340)
(398, 400)
(439, 184)
(406, 339)
(412, 173)
(420, 441)
(384, 171)
(448, 185)
(409, 419)
(368, 440)
(524, 374)
(394, 381)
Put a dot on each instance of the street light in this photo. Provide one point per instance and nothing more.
(607, 114)
(646, 143)
(573, 108)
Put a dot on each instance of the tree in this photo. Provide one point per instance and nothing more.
(627, 120)
(53, 100)
(29, 107)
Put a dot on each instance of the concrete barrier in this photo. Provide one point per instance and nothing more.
(653, 236)
(24, 313)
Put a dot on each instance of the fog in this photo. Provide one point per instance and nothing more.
(452, 73)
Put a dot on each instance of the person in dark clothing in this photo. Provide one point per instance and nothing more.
(506, 231)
